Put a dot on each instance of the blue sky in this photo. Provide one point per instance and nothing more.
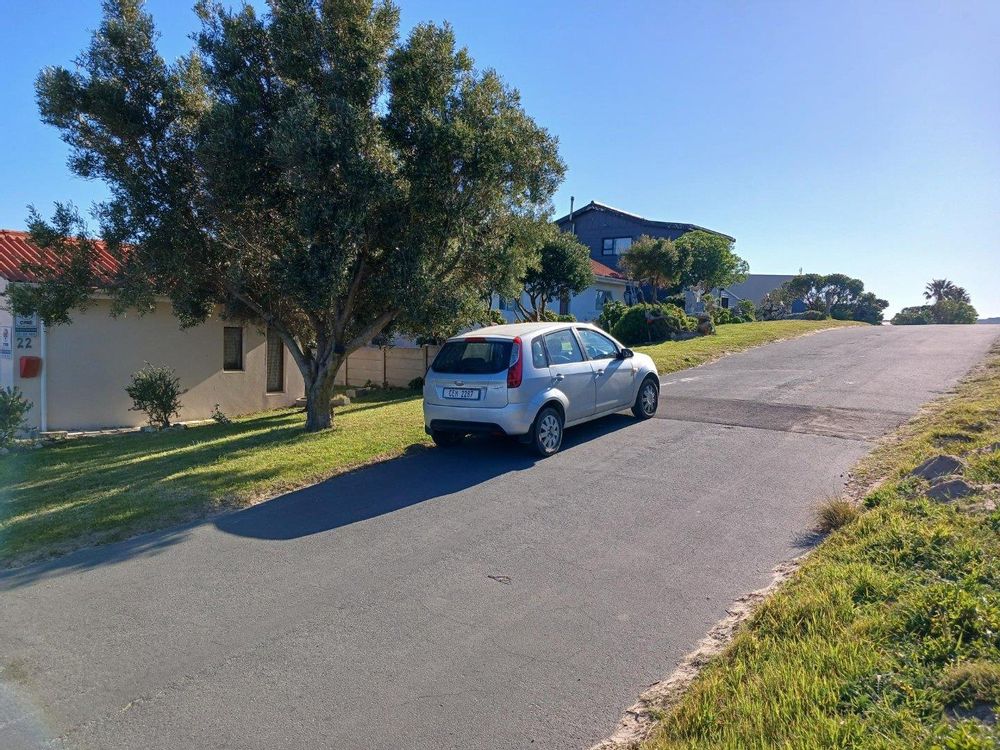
(858, 137)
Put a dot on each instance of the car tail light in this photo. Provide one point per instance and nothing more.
(514, 371)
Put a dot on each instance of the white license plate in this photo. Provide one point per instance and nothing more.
(470, 394)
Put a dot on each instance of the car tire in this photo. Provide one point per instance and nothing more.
(647, 399)
(444, 439)
(547, 432)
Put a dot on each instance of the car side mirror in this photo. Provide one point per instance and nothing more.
(625, 354)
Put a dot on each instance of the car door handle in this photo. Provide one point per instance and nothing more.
(559, 376)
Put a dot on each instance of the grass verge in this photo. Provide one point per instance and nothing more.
(103, 489)
(889, 634)
(671, 356)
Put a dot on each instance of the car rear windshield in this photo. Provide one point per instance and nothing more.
(473, 357)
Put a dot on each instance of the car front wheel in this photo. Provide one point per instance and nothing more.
(647, 399)
(547, 432)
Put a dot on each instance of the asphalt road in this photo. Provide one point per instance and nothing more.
(471, 598)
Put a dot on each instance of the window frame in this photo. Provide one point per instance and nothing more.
(598, 293)
(242, 350)
(613, 250)
(281, 362)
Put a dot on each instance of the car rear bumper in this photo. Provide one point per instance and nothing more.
(513, 419)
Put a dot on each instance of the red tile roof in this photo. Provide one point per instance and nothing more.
(16, 248)
(600, 269)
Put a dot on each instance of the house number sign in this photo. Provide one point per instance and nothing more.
(25, 331)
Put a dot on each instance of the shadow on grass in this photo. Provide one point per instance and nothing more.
(420, 475)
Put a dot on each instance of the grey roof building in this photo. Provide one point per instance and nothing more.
(609, 232)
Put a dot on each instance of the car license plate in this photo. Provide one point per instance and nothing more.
(470, 394)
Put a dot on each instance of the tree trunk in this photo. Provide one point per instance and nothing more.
(319, 391)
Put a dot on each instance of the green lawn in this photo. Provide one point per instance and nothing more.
(889, 635)
(101, 489)
(95, 490)
(677, 355)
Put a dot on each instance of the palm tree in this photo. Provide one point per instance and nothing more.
(938, 289)
(958, 294)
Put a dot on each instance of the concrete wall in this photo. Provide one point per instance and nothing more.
(395, 366)
(88, 363)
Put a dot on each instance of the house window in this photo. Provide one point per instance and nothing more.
(232, 348)
(275, 363)
(616, 245)
(602, 298)
(725, 302)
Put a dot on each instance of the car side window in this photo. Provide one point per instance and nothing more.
(597, 345)
(538, 358)
(562, 348)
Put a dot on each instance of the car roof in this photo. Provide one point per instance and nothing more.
(510, 330)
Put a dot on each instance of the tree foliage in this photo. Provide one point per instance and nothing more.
(708, 261)
(939, 290)
(834, 295)
(951, 306)
(560, 269)
(656, 262)
(302, 168)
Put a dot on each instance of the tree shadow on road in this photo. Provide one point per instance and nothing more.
(391, 486)
(419, 476)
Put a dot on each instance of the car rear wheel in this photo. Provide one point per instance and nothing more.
(547, 432)
(647, 399)
(444, 439)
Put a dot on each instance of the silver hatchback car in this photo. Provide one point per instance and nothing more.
(532, 380)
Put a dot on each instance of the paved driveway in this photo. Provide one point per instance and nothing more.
(462, 599)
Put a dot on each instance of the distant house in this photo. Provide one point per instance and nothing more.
(754, 288)
(75, 374)
(608, 285)
(609, 233)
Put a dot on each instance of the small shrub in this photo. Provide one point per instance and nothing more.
(219, 416)
(747, 311)
(155, 391)
(417, 384)
(551, 317)
(723, 316)
(951, 312)
(835, 513)
(611, 313)
(913, 316)
(644, 324)
(813, 315)
(13, 407)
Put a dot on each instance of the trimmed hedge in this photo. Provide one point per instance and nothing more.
(633, 328)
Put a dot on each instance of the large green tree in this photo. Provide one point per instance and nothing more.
(823, 292)
(560, 268)
(709, 261)
(655, 261)
(302, 168)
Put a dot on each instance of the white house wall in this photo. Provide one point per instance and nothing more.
(582, 306)
(89, 362)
